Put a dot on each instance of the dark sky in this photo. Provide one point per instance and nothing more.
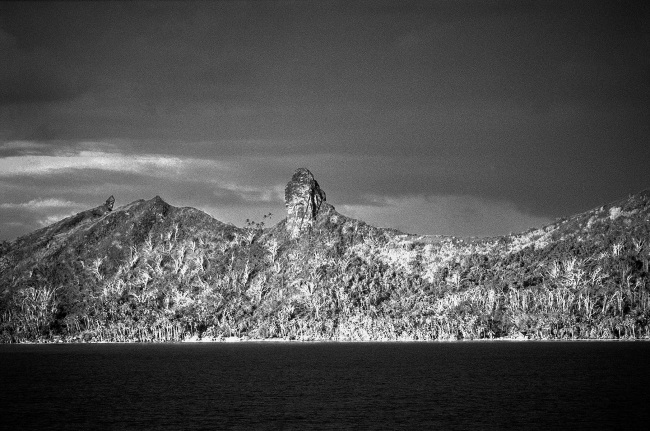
(450, 117)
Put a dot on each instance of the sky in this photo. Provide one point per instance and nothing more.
(466, 118)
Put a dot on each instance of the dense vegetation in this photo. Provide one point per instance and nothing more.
(176, 274)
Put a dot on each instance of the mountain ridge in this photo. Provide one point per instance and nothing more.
(149, 271)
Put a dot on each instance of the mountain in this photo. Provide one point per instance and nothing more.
(148, 271)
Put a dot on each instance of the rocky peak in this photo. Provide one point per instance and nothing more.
(109, 203)
(102, 209)
(303, 198)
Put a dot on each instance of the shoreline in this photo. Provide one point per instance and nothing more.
(236, 340)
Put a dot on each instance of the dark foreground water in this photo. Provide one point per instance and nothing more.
(490, 385)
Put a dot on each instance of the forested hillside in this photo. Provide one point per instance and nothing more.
(148, 271)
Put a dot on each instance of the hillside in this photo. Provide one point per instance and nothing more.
(148, 271)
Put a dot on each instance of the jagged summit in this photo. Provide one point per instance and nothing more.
(303, 198)
(109, 203)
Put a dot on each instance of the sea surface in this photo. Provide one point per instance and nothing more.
(262, 385)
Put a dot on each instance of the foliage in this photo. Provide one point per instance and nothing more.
(185, 277)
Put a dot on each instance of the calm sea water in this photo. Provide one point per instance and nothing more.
(490, 385)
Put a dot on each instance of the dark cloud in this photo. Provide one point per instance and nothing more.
(542, 104)
(34, 76)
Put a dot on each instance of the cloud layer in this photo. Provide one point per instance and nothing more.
(528, 110)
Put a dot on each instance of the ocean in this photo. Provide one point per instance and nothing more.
(335, 386)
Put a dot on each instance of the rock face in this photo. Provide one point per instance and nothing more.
(303, 198)
(109, 203)
(102, 209)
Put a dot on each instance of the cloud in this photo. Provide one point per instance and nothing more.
(40, 204)
(76, 160)
(539, 110)
(44, 183)
(19, 218)
(35, 76)
(16, 148)
(251, 177)
(267, 194)
(21, 145)
(455, 215)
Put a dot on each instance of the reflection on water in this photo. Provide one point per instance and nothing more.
(498, 385)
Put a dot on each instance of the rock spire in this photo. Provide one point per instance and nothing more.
(109, 203)
(303, 198)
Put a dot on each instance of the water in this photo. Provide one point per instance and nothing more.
(477, 385)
